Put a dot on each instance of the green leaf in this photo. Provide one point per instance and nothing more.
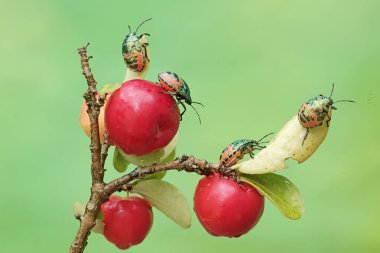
(161, 174)
(166, 198)
(280, 190)
(119, 163)
(170, 157)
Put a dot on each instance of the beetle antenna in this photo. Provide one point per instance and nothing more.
(344, 101)
(129, 28)
(200, 122)
(142, 24)
(264, 137)
(332, 90)
(198, 103)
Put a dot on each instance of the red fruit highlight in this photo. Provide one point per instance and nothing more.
(126, 221)
(141, 118)
(226, 208)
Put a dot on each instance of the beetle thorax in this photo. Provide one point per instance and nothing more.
(325, 103)
(246, 146)
(130, 42)
(184, 92)
(131, 37)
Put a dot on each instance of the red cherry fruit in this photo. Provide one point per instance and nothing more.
(126, 221)
(225, 207)
(141, 117)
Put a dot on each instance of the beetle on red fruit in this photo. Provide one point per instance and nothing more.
(225, 207)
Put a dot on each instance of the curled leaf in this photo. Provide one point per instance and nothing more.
(280, 191)
(166, 198)
(288, 143)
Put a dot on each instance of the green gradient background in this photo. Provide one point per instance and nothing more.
(252, 63)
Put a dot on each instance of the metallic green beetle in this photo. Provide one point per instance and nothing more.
(134, 50)
(176, 86)
(313, 112)
(237, 149)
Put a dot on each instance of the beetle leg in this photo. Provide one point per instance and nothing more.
(328, 120)
(145, 52)
(251, 154)
(307, 133)
(184, 108)
(141, 35)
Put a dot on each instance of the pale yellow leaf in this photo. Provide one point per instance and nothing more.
(286, 144)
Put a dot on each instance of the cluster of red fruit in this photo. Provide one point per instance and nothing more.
(140, 119)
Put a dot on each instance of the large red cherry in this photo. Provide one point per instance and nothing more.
(225, 207)
(126, 221)
(141, 117)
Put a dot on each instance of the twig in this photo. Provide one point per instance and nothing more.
(100, 191)
(93, 110)
(186, 163)
(105, 148)
(87, 221)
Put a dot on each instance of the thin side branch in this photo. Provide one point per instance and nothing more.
(105, 147)
(186, 163)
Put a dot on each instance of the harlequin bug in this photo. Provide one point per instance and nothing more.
(134, 50)
(176, 86)
(313, 112)
(237, 149)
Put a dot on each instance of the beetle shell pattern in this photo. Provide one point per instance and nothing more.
(173, 83)
(236, 151)
(313, 112)
(170, 81)
(135, 61)
(134, 53)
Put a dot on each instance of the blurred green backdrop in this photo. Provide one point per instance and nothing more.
(252, 63)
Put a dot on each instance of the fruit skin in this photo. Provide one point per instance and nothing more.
(226, 208)
(141, 118)
(126, 221)
(84, 120)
